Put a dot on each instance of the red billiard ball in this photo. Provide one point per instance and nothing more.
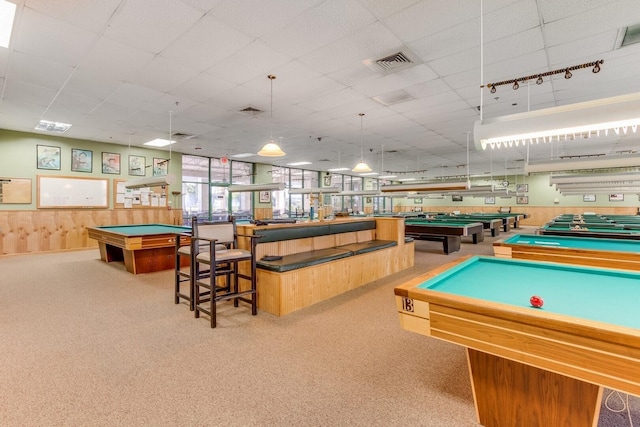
(536, 301)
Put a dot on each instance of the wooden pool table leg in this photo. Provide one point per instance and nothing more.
(509, 393)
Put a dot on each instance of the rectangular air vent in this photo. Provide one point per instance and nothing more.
(393, 61)
(395, 97)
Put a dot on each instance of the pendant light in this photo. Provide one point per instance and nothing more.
(271, 149)
(362, 166)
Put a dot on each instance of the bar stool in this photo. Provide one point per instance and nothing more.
(221, 262)
(182, 275)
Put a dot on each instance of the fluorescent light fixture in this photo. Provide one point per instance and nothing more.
(337, 169)
(150, 181)
(428, 186)
(7, 16)
(316, 190)
(159, 142)
(388, 176)
(369, 174)
(618, 114)
(603, 162)
(361, 193)
(594, 178)
(605, 190)
(270, 186)
(49, 126)
(242, 155)
(298, 163)
(406, 179)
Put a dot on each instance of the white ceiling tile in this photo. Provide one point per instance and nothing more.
(23, 93)
(152, 26)
(318, 26)
(248, 63)
(201, 87)
(110, 59)
(133, 96)
(372, 41)
(63, 43)
(163, 75)
(27, 68)
(87, 14)
(429, 17)
(207, 43)
(257, 18)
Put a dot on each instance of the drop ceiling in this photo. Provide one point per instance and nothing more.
(128, 71)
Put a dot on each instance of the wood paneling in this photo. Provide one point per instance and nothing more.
(34, 231)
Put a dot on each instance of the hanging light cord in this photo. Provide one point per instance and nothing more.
(271, 77)
(361, 143)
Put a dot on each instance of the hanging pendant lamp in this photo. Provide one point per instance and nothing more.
(361, 166)
(271, 149)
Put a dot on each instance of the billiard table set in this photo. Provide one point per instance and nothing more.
(537, 366)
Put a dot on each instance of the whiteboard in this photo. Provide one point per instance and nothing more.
(72, 192)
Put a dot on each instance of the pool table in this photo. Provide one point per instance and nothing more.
(596, 252)
(450, 233)
(589, 230)
(548, 365)
(491, 224)
(143, 248)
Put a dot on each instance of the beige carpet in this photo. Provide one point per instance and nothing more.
(84, 343)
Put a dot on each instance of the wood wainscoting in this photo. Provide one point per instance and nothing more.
(23, 232)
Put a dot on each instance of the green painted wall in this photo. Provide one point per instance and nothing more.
(18, 159)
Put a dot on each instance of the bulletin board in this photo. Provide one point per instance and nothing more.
(72, 192)
(156, 197)
(15, 190)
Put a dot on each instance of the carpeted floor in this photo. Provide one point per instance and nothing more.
(84, 343)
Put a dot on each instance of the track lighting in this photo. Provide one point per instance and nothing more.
(539, 77)
(596, 68)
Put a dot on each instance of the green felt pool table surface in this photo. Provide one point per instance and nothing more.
(589, 243)
(145, 229)
(602, 295)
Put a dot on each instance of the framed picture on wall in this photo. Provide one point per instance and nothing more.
(588, 197)
(160, 167)
(616, 197)
(111, 163)
(522, 188)
(137, 165)
(417, 200)
(81, 160)
(456, 198)
(265, 196)
(48, 157)
(491, 200)
(522, 200)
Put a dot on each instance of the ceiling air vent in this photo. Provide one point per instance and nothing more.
(395, 97)
(393, 61)
(251, 111)
(183, 136)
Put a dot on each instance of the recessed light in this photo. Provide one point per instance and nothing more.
(48, 126)
(369, 174)
(337, 169)
(159, 142)
(298, 163)
(242, 155)
(7, 15)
